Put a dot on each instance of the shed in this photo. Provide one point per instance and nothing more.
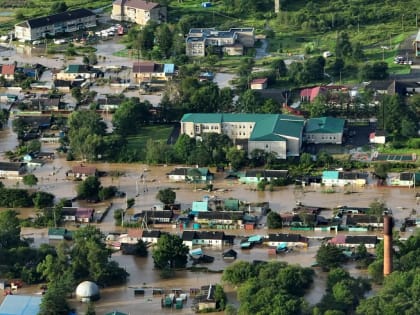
(20, 305)
(230, 254)
(259, 84)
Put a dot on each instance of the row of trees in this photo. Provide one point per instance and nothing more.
(16, 198)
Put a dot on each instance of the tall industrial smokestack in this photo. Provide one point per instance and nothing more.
(388, 224)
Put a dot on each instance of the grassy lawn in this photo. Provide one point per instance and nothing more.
(398, 151)
(154, 132)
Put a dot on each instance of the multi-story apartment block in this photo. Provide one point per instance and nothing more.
(231, 42)
(65, 22)
(138, 11)
(278, 134)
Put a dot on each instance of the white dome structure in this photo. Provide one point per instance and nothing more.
(87, 291)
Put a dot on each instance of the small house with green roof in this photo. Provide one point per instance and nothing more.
(274, 133)
(324, 130)
(77, 71)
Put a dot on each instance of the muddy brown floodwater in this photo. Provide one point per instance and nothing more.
(52, 178)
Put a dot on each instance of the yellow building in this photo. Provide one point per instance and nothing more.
(138, 11)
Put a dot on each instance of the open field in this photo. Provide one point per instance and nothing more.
(153, 132)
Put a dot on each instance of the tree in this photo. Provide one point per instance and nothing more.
(54, 301)
(329, 256)
(129, 117)
(9, 229)
(279, 66)
(166, 196)
(90, 309)
(170, 252)
(30, 180)
(220, 297)
(42, 199)
(164, 38)
(58, 7)
(76, 92)
(238, 273)
(89, 188)
(141, 249)
(274, 220)
(377, 208)
(184, 147)
(236, 157)
(86, 129)
(343, 48)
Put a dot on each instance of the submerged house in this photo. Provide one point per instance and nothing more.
(220, 217)
(286, 240)
(255, 176)
(353, 241)
(196, 174)
(206, 238)
(341, 178)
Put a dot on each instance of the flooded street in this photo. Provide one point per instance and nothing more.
(142, 182)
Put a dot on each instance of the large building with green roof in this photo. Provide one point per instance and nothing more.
(279, 134)
(324, 130)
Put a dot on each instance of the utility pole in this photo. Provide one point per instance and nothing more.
(358, 25)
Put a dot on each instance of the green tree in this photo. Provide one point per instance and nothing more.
(183, 148)
(54, 301)
(238, 273)
(58, 7)
(164, 38)
(89, 188)
(129, 117)
(377, 208)
(30, 180)
(343, 48)
(141, 249)
(274, 220)
(90, 309)
(9, 229)
(166, 196)
(236, 157)
(42, 199)
(329, 256)
(220, 297)
(170, 252)
(86, 129)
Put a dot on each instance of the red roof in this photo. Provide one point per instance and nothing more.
(135, 233)
(312, 93)
(259, 81)
(338, 240)
(8, 69)
(84, 212)
(143, 67)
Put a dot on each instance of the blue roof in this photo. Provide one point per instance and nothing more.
(168, 68)
(255, 238)
(20, 305)
(200, 206)
(330, 174)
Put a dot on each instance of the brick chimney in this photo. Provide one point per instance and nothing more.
(388, 225)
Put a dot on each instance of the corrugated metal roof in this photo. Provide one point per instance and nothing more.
(330, 175)
(268, 127)
(59, 18)
(168, 68)
(325, 125)
(20, 305)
